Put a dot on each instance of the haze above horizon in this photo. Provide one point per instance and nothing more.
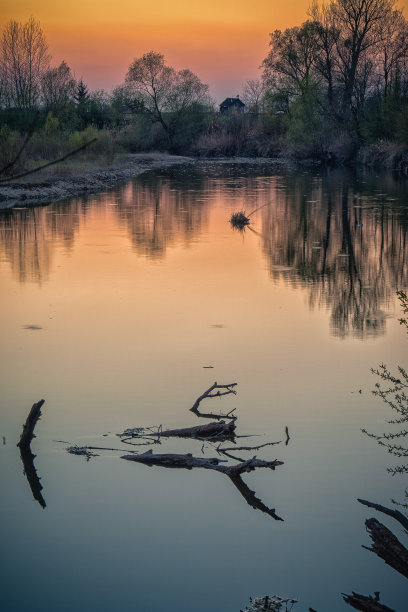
(223, 43)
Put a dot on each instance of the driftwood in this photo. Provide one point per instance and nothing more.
(227, 451)
(366, 604)
(215, 431)
(387, 546)
(396, 514)
(28, 428)
(30, 472)
(187, 461)
(215, 390)
(213, 463)
(251, 498)
(27, 456)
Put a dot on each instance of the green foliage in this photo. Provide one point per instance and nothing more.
(52, 125)
(385, 119)
(394, 395)
(305, 123)
(10, 144)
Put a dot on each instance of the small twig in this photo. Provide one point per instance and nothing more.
(247, 448)
(209, 393)
(106, 448)
(259, 208)
(287, 435)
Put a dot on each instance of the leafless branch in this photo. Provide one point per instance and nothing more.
(395, 514)
(209, 394)
(48, 164)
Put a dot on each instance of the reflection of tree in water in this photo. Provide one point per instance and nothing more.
(172, 204)
(28, 238)
(346, 244)
(158, 210)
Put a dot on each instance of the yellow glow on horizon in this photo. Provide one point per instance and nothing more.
(223, 42)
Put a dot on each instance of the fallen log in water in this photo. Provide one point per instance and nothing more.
(234, 472)
(28, 428)
(387, 546)
(217, 431)
(366, 604)
(187, 461)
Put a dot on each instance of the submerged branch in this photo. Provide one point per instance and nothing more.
(187, 461)
(366, 604)
(234, 472)
(30, 472)
(395, 514)
(251, 498)
(211, 431)
(387, 546)
(28, 428)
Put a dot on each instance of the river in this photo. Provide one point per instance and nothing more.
(121, 309)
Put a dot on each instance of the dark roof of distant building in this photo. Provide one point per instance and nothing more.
(232, 102)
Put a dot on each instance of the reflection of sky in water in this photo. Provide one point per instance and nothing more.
(110, 314)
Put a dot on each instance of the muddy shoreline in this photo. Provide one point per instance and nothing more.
(77, 179)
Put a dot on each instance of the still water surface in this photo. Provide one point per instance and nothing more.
(113, 309)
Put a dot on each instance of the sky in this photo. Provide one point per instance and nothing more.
(222, 41)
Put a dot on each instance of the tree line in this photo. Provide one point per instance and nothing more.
(328, 87)
(344, 70)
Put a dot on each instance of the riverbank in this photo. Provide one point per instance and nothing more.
(77, 178)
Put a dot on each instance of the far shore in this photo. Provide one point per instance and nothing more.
(75, 178)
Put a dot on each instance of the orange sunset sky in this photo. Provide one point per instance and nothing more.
(222, 41)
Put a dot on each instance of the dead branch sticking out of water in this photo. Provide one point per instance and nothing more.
(28, 427)
(251, 499)
(387, 546)
(366, 604)
(227, 451)
(234, 472)
(396, 514)
(226, 390)
(211, 431)
(27, 457)
(217, 431)
(187, 461)
(30, 472)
